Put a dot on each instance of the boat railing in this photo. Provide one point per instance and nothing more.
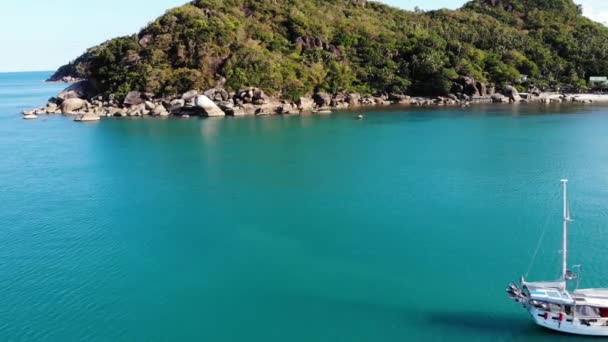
(582, 320)
(592, 321)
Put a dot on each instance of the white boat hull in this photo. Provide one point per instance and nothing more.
(573, 327)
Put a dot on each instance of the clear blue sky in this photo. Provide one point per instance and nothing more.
(44, 34)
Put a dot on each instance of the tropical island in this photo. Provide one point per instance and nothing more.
(240, 57)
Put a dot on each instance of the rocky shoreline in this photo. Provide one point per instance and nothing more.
(77, 100)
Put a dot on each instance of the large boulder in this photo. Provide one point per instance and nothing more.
(338, 100)
(150, 105)
(208, 107)
(398, 98)
(305, 104)
(468, 84)
(490, 90)
(499, 98)
(288, 108)
(133, 98)
(51, 108)
(322, 99)
(271, 107)
(251, 95)
(137, 110)
(245, 109)
(217, 94)
(259, 97)
(534, 90)
(160, 110)
(512, 94)
(367, 101)
(481, 88)
(237, 111)
(176, 105)
(189, 96)
(79, 90)
(353, 99)
(70, 106)
(243, 96)
(145, 40)
(226, 106)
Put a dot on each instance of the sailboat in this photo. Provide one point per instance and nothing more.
(550, 303)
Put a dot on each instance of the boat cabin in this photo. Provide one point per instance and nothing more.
(589, 307)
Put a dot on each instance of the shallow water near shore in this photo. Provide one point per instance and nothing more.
(404, 226)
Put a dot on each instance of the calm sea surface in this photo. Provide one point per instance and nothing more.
(405, 226)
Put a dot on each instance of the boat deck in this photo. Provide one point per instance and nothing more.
(591, 297)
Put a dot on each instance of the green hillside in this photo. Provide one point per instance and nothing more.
(292, 48)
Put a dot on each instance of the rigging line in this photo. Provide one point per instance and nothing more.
(539, 244)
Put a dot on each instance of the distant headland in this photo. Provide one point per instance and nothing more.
(246, 57)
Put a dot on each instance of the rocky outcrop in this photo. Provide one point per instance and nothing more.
(309, 42)
(481, 88)
(466, 85)
(252, 95)
(79, 90)
(217, 101)
(217, 95)
(64, 79)
(469, 85)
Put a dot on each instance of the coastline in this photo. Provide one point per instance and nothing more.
(78, 101)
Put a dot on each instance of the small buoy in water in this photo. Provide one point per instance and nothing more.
(360, 117)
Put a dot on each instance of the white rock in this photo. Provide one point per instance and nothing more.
(208, 106)
(87, 117)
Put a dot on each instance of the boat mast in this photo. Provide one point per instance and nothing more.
(565, 237)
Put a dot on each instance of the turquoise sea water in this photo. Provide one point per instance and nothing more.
(405, 226)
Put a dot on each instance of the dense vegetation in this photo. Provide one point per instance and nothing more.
(295, 47)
